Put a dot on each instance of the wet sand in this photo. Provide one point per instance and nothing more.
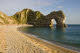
(13, 41)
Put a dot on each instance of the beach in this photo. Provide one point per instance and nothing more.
(13, 41)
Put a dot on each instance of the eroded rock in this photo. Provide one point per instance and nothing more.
(36, 18)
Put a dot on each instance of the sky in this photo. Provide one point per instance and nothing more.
(71, 8)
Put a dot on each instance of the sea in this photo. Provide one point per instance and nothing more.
(67, 36)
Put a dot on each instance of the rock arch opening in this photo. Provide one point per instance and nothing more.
(53, 22)
(58, 23)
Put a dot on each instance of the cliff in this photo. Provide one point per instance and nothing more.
(4, 19)
(36, 18)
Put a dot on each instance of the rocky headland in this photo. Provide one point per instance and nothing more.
(36, 18)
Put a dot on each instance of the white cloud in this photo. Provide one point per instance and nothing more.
(24, 3)
(11, 6)
(27, 3)
(42, 3)
(59, 6)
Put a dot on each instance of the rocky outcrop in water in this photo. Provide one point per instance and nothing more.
(36, 18)
(59, 17)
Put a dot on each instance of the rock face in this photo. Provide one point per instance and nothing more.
(59, 17)
(4, 19)
(36, 18)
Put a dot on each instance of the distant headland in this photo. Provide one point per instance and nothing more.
(36, 18)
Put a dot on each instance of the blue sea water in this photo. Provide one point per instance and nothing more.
(69, 36)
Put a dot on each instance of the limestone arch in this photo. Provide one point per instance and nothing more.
(59, 17)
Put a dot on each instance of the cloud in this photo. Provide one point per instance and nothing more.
(59, 6)
(27, 3)
(24, 3)
(11, 6)
(42, 3)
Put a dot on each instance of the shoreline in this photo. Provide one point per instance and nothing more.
(53, 44)
(17, 42)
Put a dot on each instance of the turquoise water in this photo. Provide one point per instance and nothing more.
(69, 36)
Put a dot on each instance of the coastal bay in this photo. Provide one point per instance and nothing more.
(14, 41)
